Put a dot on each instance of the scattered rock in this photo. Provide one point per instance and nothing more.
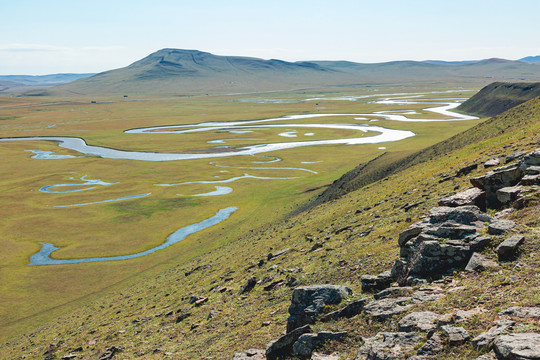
(376, 282)
(308, 301)
(348, 311)
(431, 347)
(489, 356)
(182, 317)
(485, 339)
(522, 312)
(492, 163)
(273, 285)
(427, 294)
(277, 254)
(250, 284)
(386, 308)
(397, 291)
(317, 356)
(473, 196)
(508, 248)
(251, 354)
(388, 346)
(422, 320)
(478, 262)
(456, 335)
(109, 353)
(521, 346)
(500, 226)
(306, 343)
(515, 155)
(283, 346)
(466, 169)
(461, 316)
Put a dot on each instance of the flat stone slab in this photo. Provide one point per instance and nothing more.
(521, 346)
(456, 335)
(251, 354)
(421, 320)
(386, 308)
(522, 312)
(500, 226)
(478, 262)
(388, 346)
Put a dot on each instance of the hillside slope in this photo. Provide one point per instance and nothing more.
(391, 162)
(498, 97)
(181, 72)
(207, 309)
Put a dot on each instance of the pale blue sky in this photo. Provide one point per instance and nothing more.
(52, 36)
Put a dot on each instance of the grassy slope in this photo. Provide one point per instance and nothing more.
(499, 97)
(393, 162)
(141, 319)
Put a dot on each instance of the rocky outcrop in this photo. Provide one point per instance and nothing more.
(388, 345)
(473, 196)
(520, 346)
(283, 346)
(308, 302)
(376, 282)
(306, 343)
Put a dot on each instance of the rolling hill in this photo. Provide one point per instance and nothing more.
(15, 84)
(185, 72)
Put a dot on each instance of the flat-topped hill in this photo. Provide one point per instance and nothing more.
(498, 97)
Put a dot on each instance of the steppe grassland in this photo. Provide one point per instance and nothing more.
(29, 217)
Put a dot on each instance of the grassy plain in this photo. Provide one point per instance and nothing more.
(30, 295)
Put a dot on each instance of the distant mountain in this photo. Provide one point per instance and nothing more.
(179, 72)
(531, 59)
(19, 83)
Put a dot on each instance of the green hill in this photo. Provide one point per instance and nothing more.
(181, 72)
(196, 310)
(498, 97)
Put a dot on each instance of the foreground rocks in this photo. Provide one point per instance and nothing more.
(521, 346)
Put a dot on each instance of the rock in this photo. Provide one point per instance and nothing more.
(201, 301)
(427, 294)
(272, 256)
(531, 159)
(464, 315)
(485, 339)
(317, 356)
(411, 232)
(500, 226)
(508, 248)
(249, 285)
(306, 343)
(515, 155)
(69, 357)
(492, 163)
(282, 347)
(422, 320)
(532, 170)
(473, 196)
(522, 312)
(466, 169)
(529, 180)
(507, 195)
(376, 283)
(479, 243)
(308, 301)
(478, 262)
(273, 285)
(386, 308)
(488, 356)
(109, 353)
(212, 314)
(251, 354)
(456, 335)
(182, 317)
(388, 346)
(431, 347)
(522, 346)
(462, 215)
(497, 179)
(398, 291)
(348, 311)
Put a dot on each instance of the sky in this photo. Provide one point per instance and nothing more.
(82, 36)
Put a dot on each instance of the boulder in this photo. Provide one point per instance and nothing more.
(397, 291)
(507, 195)
(386, 308)
(522, 312)
(521, 346)
(479, 243)
(353, 309)
(421, 320)
(282, 347)
(508, 248)
(431, 347)
(376, 282)
(306, 343)
(473, 196)
(478, 262)
(456, 335)
(497, 179)
(250, 354)
(388, 346)
(492, 163)
(531, 159)
(308, 301)
(486, 338)
(500, 226)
